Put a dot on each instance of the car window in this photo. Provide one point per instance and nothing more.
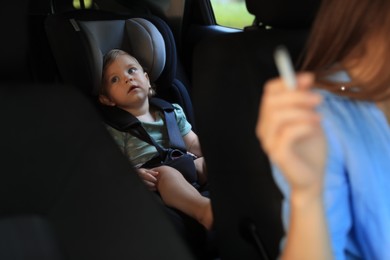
(86, 4)
(231, 13)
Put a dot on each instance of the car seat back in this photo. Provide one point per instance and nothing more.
(14, 53)
(246, 201)
(26, 237)
(64, 182)
(59, 162)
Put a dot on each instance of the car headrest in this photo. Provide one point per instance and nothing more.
(149, 46)
(138, 37)
(288, 14)
(14, 42)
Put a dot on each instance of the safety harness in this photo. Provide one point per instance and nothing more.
(175, 156)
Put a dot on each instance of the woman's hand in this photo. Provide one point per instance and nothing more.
(149, 177)
(290, 133)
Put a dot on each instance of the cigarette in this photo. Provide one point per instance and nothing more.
(285, 66)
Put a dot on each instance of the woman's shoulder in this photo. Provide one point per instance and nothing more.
(349, 122)
(339, 102)
(343, 107)
(329, 96)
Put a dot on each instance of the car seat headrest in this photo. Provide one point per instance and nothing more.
(289, 14)
(137, 36)
(15, 41)
(148, 46)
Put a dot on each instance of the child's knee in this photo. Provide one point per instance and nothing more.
(166, 172)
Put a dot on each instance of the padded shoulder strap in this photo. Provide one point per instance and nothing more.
(126, 122)
(161, 104)
(174, 135)
(119, 119)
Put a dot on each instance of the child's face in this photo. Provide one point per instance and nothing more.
(125, 82)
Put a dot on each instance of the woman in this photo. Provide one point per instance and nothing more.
(329, 140)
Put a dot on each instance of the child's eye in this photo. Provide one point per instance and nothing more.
(132, 70)
(114, 79)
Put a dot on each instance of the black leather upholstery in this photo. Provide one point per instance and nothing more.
(14, 43)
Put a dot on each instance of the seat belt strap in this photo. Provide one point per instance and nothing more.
(126, 122)
(174, 136)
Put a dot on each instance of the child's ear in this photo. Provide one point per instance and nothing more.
(146, 76)
(105, 100)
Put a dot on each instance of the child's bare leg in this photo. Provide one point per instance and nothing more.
(176, 192)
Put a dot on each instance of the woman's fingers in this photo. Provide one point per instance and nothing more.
(290, 132)
(281, 122)
(304, 81)
(280, 109)
(289, 138)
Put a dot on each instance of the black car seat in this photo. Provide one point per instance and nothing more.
(78, 40)
(66, 190)
(228, 75)
(59, 162)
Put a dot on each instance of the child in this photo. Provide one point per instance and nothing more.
(330, 147)
(126, 86)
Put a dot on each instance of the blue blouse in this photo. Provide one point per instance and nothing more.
(357, 178)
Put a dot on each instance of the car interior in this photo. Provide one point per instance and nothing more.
(67, 191)
(245, 198)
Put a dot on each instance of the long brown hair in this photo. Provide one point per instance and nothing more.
(345, 32)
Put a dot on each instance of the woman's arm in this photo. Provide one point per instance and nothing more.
(307, 236)
(290, 132)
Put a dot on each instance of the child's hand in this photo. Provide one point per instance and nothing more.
(290, 133)
(149, 177)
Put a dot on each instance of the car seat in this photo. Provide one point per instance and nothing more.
(66, 190)
(79, 39)
(228, 75)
